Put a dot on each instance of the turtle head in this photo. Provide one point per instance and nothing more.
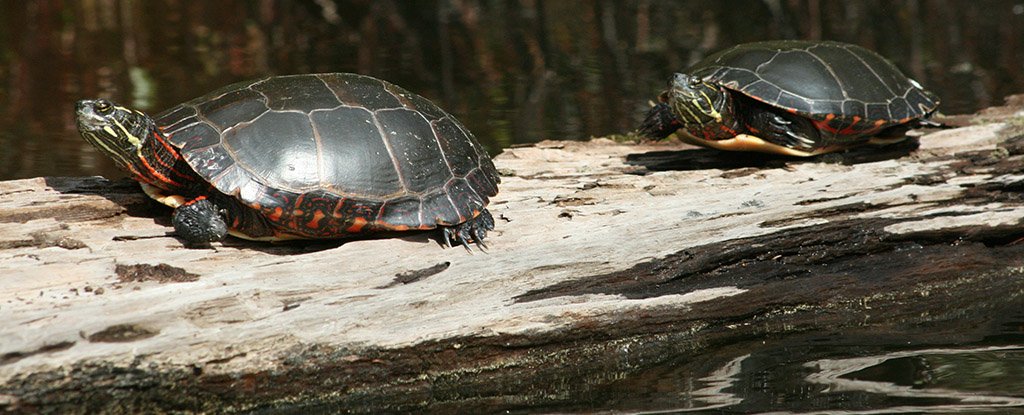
(116, 131)
(696, 101)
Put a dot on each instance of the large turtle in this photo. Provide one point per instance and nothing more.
(791, 97)
(311, 156)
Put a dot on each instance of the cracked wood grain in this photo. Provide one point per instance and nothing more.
(605, 255)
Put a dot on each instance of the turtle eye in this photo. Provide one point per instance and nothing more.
(103, 106)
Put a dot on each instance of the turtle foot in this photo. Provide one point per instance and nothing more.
(473, 230)
(199, 222)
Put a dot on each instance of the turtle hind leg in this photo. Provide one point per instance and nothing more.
(199, 222)
(898, 133)
(473, 230)
(659, 122)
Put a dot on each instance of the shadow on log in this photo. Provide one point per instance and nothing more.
(614, 268)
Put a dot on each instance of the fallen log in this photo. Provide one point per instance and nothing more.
(608, 261)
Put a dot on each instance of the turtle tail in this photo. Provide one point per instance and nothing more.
(660, 122)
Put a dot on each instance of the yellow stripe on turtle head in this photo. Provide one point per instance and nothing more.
(104, 145)
(713, 112)
(127, 135)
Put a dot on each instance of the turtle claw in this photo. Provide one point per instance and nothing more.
(473, 230)
(659, 122)
(448, 234)
(466, 245)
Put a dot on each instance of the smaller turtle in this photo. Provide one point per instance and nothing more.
(797, 98)
(315, 156)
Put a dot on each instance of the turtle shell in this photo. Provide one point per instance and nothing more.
(323, 155)
(847, 89)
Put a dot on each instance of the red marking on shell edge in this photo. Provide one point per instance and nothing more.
(851, 129)
(315, 222)
(196, 200)
(823, 125)
(357, 225)
(276, 214)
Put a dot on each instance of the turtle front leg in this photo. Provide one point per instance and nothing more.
(660, 122)
(473, 230)
(785, 130)
(199, 222)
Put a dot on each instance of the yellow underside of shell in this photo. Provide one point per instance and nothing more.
(746, 142)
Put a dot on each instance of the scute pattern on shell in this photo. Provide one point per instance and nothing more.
(844, 87)
(322, 155)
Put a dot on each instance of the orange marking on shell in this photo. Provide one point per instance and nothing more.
(879, 123)
(848, 130)
(336, 213)
(823, 126)
(856, 118)
(276, 214)
(830, 117)
(196, 200)
(315, 222)
(357, 225)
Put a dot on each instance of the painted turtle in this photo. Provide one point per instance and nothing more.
(314, 156)
(791, 97)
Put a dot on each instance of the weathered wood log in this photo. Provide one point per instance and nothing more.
(608, 260)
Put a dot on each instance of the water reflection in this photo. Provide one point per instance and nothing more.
(938, 380)
(955, 380)
(514, 71)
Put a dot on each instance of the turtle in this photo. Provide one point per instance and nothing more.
(309, 156)
(791, 97)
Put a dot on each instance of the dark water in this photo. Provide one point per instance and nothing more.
(512, 71)
(519, 72)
